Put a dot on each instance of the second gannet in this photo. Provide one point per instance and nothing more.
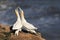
(29, 27)
(17, 25)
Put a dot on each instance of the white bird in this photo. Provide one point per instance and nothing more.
(29, 27)
(21, 23)
(17, 25)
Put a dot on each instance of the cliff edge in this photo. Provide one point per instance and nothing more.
(5, 34)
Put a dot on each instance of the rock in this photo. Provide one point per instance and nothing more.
(5, 34)
(4, 28)
(25, 36)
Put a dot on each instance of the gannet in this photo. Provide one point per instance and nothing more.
(17, 25)
(29, 27)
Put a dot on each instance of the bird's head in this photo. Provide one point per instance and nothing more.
(16, 11)
(21, 12)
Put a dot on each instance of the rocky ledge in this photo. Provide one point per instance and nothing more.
(5, 34)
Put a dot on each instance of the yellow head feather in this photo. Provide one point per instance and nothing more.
(16, 11)
(21, 13)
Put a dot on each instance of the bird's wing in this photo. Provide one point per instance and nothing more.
(29, 26)
(17, 25)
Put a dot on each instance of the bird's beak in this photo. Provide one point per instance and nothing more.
(21, 11)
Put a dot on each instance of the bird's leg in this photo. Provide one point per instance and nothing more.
(17, 31)
(20, 30)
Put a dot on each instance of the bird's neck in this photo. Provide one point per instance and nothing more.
(22, 17)
(18, 16)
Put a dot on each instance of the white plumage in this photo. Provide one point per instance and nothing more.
(21, 23)
(17, 25)
(26, 25)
